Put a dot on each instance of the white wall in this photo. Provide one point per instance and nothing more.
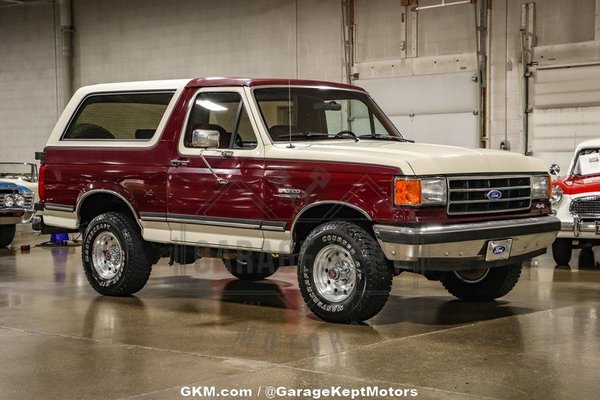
(419, 66)
(28, 97)
(155, 39)
(117, 41)
(558, 23)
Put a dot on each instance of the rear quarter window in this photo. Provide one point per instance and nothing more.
(120, 117)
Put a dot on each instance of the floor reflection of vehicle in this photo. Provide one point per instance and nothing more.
(576, 201)
(115, 319)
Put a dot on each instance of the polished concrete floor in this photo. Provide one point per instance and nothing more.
(196, 326)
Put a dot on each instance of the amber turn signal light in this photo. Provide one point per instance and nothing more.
(407, 192)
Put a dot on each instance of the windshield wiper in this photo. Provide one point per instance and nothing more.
(386, 137)
(309, 134)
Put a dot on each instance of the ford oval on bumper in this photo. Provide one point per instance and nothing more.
(466, 243)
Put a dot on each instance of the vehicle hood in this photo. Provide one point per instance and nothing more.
(5, 184)
(579, 184)
(411, 158)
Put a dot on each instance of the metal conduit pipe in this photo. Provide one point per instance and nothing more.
(66, 27)
(443, 4)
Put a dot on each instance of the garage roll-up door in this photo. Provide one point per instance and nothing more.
(566, 110)
(433, 108)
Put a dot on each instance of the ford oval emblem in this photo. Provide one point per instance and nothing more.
(494, 194)
(498, 249)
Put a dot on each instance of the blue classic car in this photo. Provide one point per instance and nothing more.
(16, 206)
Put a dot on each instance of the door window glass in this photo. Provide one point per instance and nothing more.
(225, 113)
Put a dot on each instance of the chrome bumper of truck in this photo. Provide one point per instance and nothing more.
(466, 241)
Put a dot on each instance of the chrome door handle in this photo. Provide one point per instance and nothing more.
(179, 162)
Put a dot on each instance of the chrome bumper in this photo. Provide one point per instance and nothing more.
(577, 227)
(466, 241)
(8, 219)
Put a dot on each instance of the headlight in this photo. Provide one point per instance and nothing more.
(541, 187)
(9, 201)
(557, 194)
(19, 200)
(416, 192)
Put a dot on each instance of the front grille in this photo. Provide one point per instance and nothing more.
(475, 194)
(28, 200)
(586, 207)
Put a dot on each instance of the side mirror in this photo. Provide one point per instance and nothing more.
(205, 139)
(554, 169)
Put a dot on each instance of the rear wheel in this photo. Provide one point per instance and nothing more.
(343, 274)
(116, 260)
(586, 258)
(7, 234)
(483, 283)
(251, 266)
(561, 251)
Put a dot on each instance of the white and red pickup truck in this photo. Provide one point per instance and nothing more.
(268, 172)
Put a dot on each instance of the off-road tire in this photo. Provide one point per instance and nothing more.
(136, 252)
(251, 266)
(562, 249)
(7, 234)
(497, 283)
(374, 273)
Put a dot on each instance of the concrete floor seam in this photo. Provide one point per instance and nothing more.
(136, 346)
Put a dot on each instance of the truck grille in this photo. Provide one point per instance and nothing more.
(490, 194)
(586, 207)
(28, 199)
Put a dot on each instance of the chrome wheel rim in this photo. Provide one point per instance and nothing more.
(472, 275)
(107, 255)
(334, 273)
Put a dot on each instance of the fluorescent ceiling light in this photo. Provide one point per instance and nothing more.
(209, 105)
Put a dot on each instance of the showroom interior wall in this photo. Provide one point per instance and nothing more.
(420, 65)
(117, 41)
(28, 76)
(433, 53)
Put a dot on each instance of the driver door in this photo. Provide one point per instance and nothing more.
(202, 211)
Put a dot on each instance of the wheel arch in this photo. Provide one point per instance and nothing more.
(320, 212)
(97, 201)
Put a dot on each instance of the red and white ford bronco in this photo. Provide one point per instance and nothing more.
(265, 172)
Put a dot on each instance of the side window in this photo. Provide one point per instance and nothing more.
(223, 112)
(125, 116)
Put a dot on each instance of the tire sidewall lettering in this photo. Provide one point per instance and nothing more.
(319, 242)
(89, 239)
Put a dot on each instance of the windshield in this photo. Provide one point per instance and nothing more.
(304, 114)
(24, 171)
(587, 162)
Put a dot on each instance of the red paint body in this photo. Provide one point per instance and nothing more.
(579, 184)
(146, 180)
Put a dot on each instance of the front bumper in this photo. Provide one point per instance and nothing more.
(579, 229)
(458, 246)
(15, 216)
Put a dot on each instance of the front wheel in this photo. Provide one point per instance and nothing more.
(482, 284)
(561, 251)
(7, 234)
(116, 260)
(343, 274)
